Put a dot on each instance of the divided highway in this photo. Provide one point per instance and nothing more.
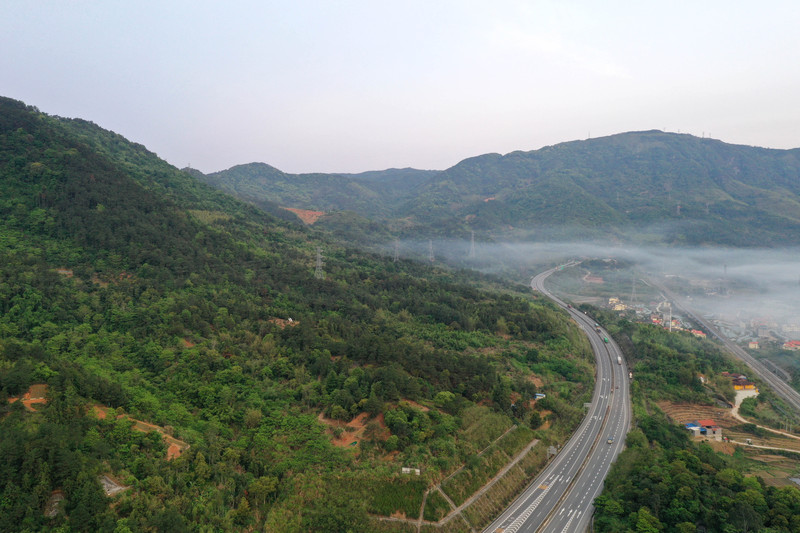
(560, 498)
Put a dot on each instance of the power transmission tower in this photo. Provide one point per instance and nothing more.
(472, 246)
(319, 273)
(670, 317)
(430, 250)
(396, 250)
(633, 290)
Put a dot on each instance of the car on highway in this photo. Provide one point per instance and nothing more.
(610, 440)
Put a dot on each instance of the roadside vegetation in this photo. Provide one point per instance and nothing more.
(665, 481)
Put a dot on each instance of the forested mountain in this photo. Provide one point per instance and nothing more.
(645, 186)
(683, 188)
(145, 302)
(369, 193)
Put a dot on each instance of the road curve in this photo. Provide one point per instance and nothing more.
(560, 498)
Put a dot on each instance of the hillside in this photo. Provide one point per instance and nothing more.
(683, 189)
(369, 193)
(128, 285)
(645, 186)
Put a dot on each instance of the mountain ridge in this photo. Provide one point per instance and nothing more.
(696, 190)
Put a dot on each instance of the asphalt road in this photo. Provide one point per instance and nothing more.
(560, 498)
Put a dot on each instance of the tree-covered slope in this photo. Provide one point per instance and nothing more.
(689, 190)
(651, 185)
(129, 285)
(369, 193)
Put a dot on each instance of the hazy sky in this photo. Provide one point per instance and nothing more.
(349, 86)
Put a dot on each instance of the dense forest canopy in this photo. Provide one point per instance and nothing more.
(190, 354)
(647, 186)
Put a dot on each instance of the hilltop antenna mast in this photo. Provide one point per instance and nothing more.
(396, 250)
(430, 250)
(319, 273)
(472, 246)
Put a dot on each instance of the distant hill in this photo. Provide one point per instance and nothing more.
(645, 186)
(682, 188)
(370, 193)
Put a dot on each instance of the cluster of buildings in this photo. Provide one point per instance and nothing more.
(752, 332)
(706, 427)
(740, 381)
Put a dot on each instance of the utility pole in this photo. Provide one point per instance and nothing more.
(319, 273)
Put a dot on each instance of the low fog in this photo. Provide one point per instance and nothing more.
(740, 287)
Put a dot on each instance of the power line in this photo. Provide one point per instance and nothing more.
(319, 273)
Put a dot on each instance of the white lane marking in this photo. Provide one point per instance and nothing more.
(573, 517)
(514, 527)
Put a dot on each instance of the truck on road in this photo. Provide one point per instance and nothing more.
(619, 360)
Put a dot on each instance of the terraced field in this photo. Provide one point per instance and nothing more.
(683, 413)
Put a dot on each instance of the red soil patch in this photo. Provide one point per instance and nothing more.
(536, 380)
(173, 451)
(725, 447)
(307, 216)
(353, 431)
(412, 403)
(282, 323)
(175, 447)
(391, 456)
(36, 394)
(545, 422)
(188, 344)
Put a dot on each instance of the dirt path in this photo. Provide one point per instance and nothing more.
(481, 491)
(740, 396)
(459, 469)
(456, 510)
(762, 447)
